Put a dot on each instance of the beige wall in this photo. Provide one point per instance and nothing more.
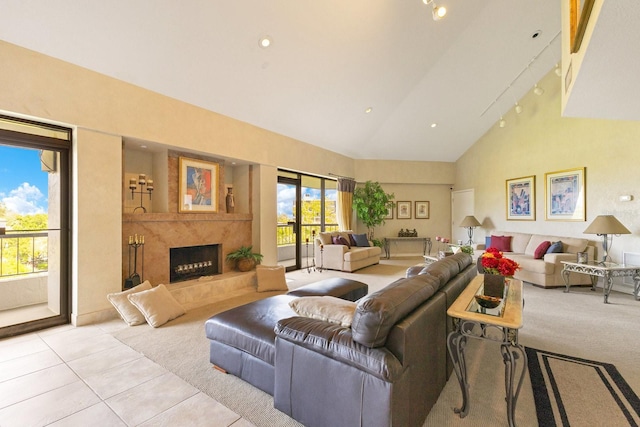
(539, 141)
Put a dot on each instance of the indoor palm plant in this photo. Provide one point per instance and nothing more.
(244, 258)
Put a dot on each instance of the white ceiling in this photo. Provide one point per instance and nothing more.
(330, 60)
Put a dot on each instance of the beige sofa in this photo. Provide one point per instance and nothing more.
(545, 272)
(343, 257)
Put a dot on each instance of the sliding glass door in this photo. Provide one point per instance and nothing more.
(306, 206)
(34, 226)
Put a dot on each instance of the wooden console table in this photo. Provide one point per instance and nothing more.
(426, 244)
(500, 324)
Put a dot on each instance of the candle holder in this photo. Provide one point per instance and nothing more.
(313, 250)
(142, 181)
(134, 278)
(307, 256)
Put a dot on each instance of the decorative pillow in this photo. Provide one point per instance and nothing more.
(361, 240)
(501, 243)
(541, 249)
(129, 313)
(271, 278)
(335, 240)
(555, 248)
(487, 242)
(344, 241)
(157, 305)
(352, 241)
(327, 308)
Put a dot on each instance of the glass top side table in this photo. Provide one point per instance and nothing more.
(607, 270)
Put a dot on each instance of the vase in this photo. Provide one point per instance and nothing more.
(230, 201)
(494, 285)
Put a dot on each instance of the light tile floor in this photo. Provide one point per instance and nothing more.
(68, 376)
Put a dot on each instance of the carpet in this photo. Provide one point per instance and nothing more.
(579, 392)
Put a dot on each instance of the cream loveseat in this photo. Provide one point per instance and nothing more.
(546, 271)
(344, 257)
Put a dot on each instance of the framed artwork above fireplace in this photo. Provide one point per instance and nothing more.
(198, 186)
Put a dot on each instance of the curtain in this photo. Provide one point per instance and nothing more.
(344, 207)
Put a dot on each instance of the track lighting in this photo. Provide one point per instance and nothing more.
(438, 12)
(536, 89)
(518, 107)
(558, 70)
(502, 123)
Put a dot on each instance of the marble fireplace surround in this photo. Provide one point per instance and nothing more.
(163, 231)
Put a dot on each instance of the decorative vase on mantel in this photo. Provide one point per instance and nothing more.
(494, 285)
(231, 204)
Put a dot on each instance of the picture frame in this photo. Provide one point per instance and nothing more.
(521, 198)
(404, 210)
(565, 195)
(198, 186)
(579, 14)
(422, 210)
(389, 213)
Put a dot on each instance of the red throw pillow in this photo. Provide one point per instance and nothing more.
(541, 249)
(501, 243)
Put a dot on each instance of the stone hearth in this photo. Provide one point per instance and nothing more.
(163, 231)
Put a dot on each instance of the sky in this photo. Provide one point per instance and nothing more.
(287, 194)
(23, 185)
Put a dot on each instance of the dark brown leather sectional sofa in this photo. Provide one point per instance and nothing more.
(387, 369)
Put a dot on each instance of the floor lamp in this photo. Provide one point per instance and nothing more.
(605, 225)
(470, 222)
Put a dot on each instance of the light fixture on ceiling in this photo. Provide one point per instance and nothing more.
(265, 41)
(518, 107)
(558, 70)
(536, 89)
(438, 12)
(502, 122)
(434, 125)
(606, 226)
(368, 110)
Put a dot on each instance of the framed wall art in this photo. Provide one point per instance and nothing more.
(521, 198)
(404, 210)
(422, 210)
(564, 195)
(198, 186)
(389, 213)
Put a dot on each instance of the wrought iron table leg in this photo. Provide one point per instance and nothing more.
(607, 284)
(456, 343)
(510, 355)
(565, 277)
(636, 285)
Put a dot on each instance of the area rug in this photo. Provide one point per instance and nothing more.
(569, 391)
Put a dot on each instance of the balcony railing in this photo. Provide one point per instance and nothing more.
(23, 252)
(286, 236)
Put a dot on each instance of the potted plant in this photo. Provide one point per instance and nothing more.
(372, 204)
(244, 258)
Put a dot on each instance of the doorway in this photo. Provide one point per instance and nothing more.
(462, 204)
(35, 180)
(306, 207)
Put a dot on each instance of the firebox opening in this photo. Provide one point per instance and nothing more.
(191, 262)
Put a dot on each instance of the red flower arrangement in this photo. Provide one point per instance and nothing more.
(494, 262)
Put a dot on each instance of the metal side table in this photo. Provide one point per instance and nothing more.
(606, 270)
(500, 324)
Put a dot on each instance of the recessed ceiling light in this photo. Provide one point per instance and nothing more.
(434, 125)
(536, 34)
(265, 42)
(368, 110)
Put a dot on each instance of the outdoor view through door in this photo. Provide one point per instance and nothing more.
(34, 182)
(306, 204)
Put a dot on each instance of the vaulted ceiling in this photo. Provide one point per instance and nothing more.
(329, 62)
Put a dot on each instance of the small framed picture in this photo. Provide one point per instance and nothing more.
(564, 196)
(422, 210)
(389, 213)
(198, 186)
(521, 199)
(404, 210)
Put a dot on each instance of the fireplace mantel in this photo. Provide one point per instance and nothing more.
(163, 231)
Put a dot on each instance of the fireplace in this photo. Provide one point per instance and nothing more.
(191, 262)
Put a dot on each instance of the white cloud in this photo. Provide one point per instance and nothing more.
(27, 199)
